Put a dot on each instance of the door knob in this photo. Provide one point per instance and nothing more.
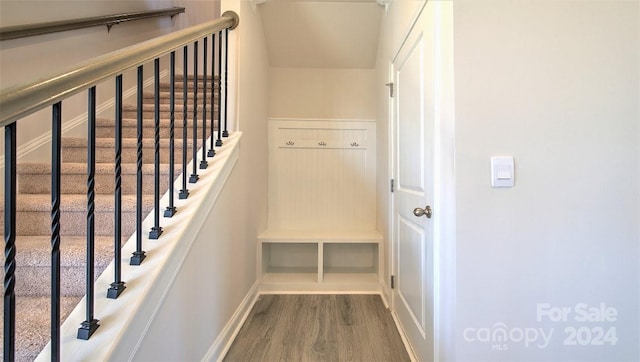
(420, 211)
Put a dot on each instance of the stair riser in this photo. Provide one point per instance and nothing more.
(104, 184)
(129, 155)
(179, 93)
(150, 102)
(179, 86)
(166, 107)
(149, 132)
(149, 98)
(150, 114)
(75, 222)
(179, 101)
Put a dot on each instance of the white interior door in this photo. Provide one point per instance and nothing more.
(413, 172)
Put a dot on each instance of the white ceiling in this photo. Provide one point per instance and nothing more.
(322, 34)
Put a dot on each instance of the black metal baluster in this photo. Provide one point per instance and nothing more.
(156, 230)
(118, 286)
(203, 162)
(212, 151)
(226, 77)
(219, 140)
(171, 210)
(90, 324)
(194, 142)
(56, 166)
(139, 255)
(9, 241)
(184, 192)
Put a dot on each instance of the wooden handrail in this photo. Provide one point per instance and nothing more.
(21, 31)
(22, 100)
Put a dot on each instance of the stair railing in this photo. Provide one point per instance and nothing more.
(21, 101)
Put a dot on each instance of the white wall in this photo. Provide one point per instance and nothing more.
(323, 93)
(28, 59)
(555, 85)
(220, 269)
(208, 287)
(322, 57)
(321, 34)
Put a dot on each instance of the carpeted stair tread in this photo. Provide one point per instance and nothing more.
(33, 214)
(32, 324)
(78, 168)
(149, 112)
(179, 82)
(77, 203)
(105, 127)
(35, 178)
(180, 88)
(33, 263)
(74, 149)
(166, 94)
(35, 250)
(79, 142)
(147, 123)
(191, 76)
(166, 108)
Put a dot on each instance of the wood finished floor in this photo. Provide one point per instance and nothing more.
(318, 328)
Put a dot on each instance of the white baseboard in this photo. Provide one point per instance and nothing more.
(403, 336)
(385, 294)
(225, 339)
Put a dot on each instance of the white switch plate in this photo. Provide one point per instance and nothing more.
(502, 172)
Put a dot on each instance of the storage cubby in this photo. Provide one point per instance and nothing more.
(350, 261)
(301, 262)
(321, 233)
(289, 262)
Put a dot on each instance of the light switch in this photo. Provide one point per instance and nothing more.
(502, 172)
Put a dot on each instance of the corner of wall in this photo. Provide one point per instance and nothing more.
(225, 339)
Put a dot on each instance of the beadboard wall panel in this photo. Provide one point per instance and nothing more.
(322, 175)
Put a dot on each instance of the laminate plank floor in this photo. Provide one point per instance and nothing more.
(318, 328)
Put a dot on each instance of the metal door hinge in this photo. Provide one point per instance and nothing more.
(390, 85)
(392, 185)
(393, 282)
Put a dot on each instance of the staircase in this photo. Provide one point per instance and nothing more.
(33, 258)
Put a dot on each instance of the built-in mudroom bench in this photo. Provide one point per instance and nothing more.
(321, 233)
